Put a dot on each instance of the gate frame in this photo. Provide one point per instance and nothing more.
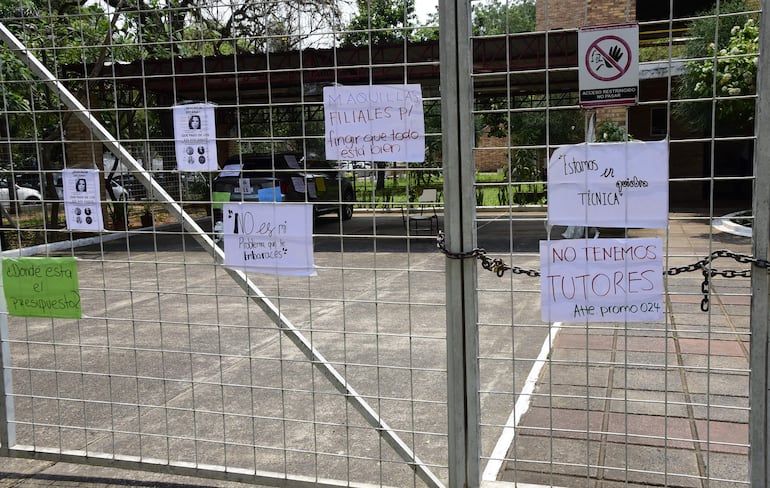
(457, 128)
(759, 365)
(463, 407)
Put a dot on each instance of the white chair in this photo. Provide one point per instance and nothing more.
(421, 216)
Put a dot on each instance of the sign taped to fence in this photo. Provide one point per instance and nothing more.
(374, 123)
(270, 238)
(82, 205)
(195, 137)
(617, 184)
(42, 287)
(608, 65)
(602, 280)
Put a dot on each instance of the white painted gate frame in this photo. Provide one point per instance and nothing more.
(759, 378)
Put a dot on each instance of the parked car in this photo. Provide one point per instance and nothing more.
(243, 176)
(24, 195)
(28, 180)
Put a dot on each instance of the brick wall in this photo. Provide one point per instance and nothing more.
(81, 149)
(612, 114)
(491, 153)
(570, 14)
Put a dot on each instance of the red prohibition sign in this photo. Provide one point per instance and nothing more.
(606, 58)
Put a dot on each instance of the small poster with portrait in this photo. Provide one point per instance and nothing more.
(195, 137)
(82, 205)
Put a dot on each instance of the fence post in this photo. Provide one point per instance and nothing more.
(7, 432)
(459, 221)
(759, 417)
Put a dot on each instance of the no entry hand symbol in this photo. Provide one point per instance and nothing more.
(608, 58)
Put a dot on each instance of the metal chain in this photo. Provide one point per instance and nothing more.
(499, 267)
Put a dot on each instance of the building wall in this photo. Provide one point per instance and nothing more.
(491, 153)
(569, 14)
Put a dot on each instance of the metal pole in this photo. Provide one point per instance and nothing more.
(460, 221)
(759, 417)
(7, 429)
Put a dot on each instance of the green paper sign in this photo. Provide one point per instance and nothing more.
(42, 287)
(218, 197)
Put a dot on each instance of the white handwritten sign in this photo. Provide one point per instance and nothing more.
(602, 280)
(269, 238)
(609, 185)
(195, 136)
(374, 123)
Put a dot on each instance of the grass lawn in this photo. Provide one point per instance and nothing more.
(492, 190)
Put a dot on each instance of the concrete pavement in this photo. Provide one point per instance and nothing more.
(615, 405)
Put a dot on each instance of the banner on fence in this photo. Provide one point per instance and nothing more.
(195, 137)
(619, 184)
(269, 238)
(42, 287)
(602, 280)
(374, 123)
(82, 204)
(608, 65)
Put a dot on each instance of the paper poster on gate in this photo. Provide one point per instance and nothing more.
(42, 287)
(617, 184)
(602, 280)
(82, 204)
(195, 137)
(270, 238)
(374, 123)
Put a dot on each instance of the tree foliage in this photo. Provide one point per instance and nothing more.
(221, 27)
(58, 33)
(497, 18)
(723, 53)
(503, 117)
(609, 131)
(380, 22)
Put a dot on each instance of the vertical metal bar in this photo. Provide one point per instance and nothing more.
(459, 220)
(759, 416)
(7, 430)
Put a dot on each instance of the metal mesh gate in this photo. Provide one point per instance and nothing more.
(395, 365)
(590, 403)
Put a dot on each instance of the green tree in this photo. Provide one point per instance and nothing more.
(497, 18)
(381, 22)
(525, 120)
(723, 51)
(59, 33)
(222, 27)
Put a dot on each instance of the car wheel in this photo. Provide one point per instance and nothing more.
(346, 210)
(32, 201)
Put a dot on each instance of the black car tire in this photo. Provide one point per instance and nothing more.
(346, 210)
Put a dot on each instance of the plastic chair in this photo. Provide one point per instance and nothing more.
(421, 216)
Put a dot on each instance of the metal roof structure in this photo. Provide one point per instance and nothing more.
(503, 65)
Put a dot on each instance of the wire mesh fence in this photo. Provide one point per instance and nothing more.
(380, 368)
